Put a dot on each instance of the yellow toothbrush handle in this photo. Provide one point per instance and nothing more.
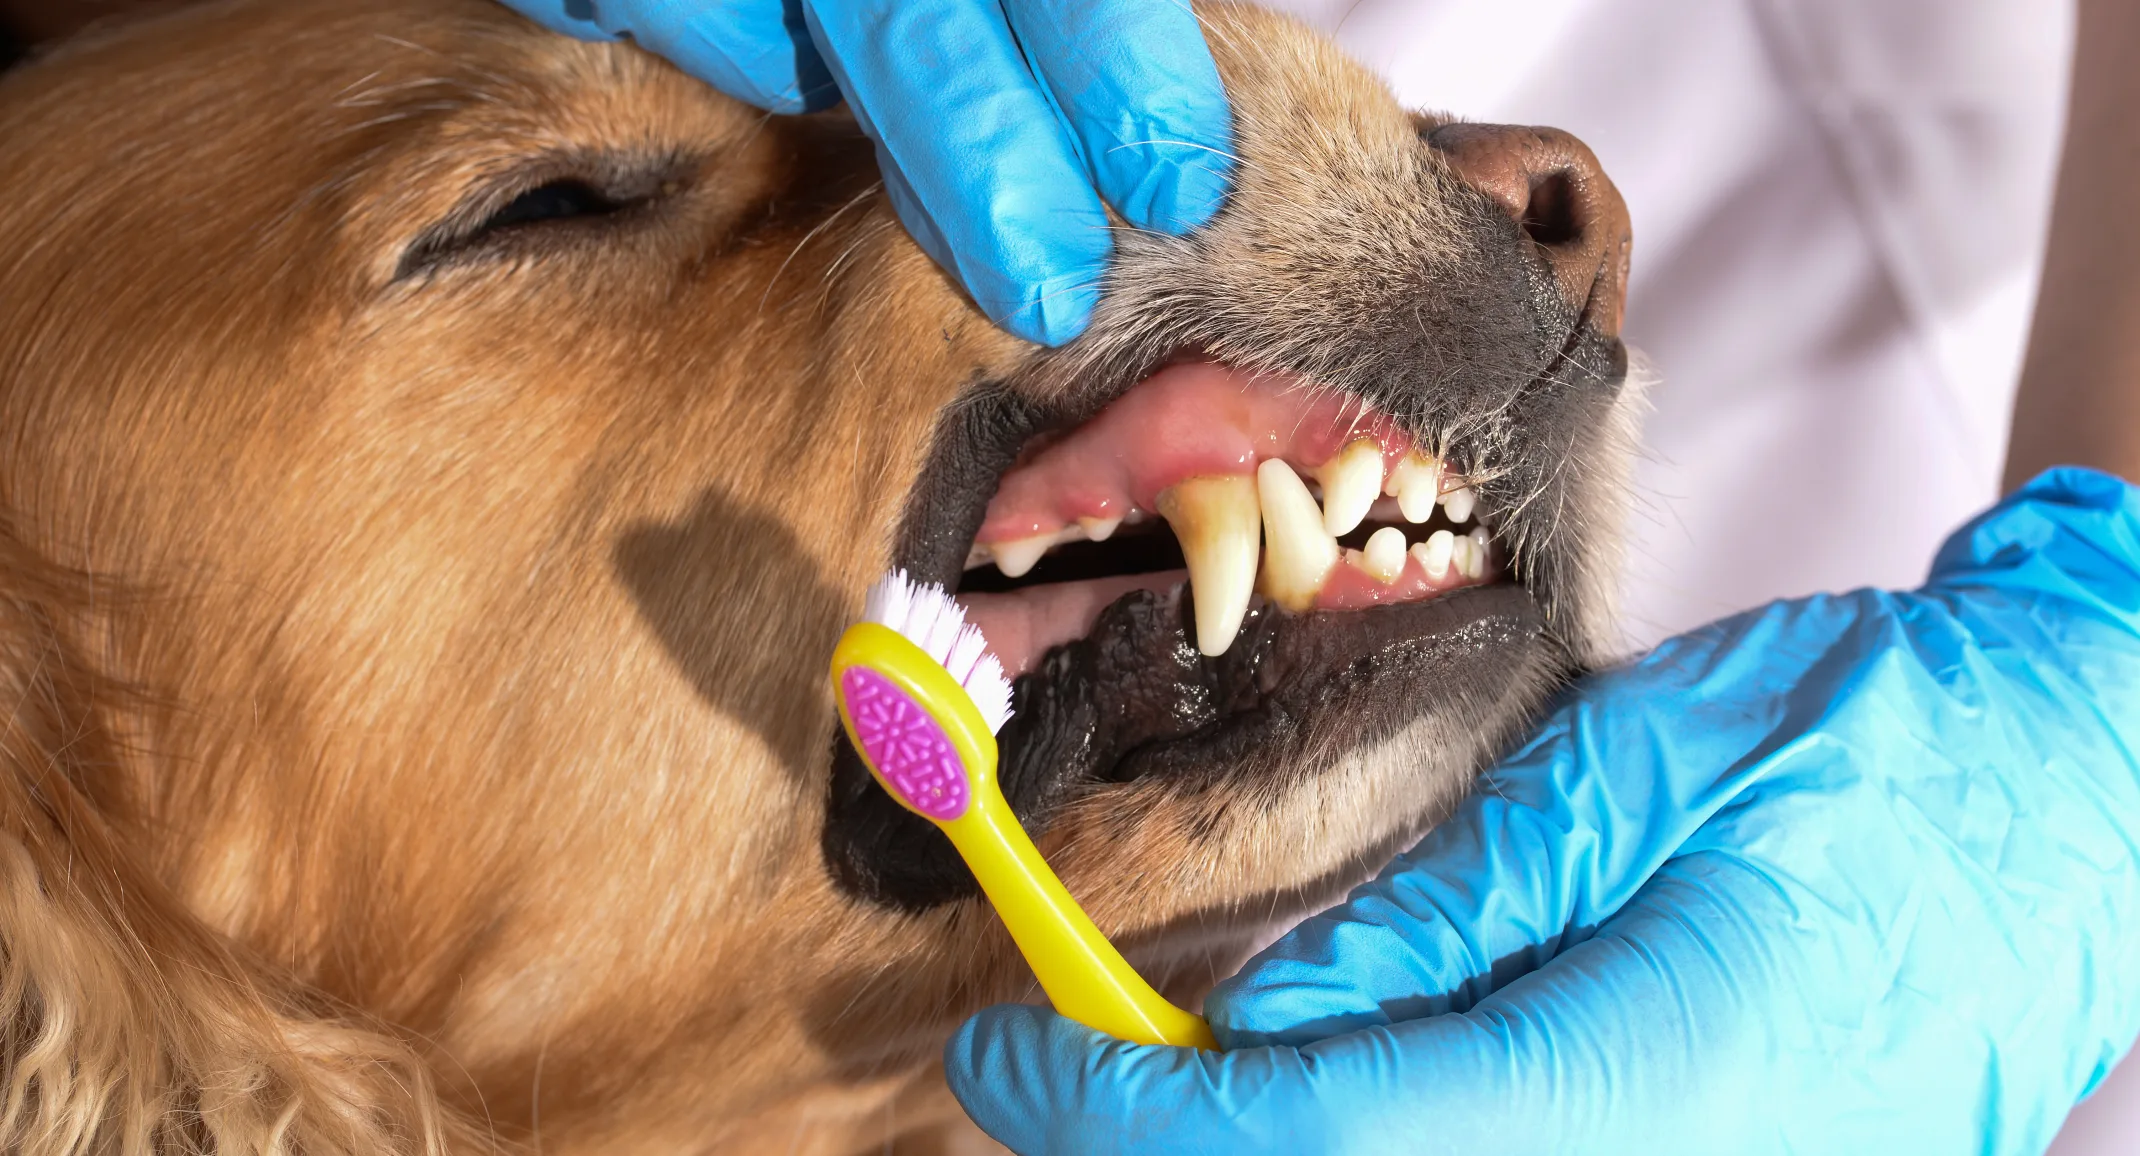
(1085, 977)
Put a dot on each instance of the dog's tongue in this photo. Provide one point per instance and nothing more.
(1026, 624)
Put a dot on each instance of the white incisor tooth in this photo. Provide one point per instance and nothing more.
(1018, 555)
(1100, 529)
(1417, 482)
(1435, 553)
(1298, 552)
(1351, 482)
(1384, 557)
(1216, 521)
(1458, 504)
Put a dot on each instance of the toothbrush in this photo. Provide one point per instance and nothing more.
(922, 700)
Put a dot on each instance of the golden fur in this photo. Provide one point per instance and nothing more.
(416, 736)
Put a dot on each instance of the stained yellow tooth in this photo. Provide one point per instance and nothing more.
(1018, 555)
(1384, 557)
(1417, 482)
(1297, 551)
(1351, 482)
(1100, 529)
(1435, 554)
(1216, 521)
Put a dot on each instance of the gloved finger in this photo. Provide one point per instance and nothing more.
(1136, 85)
(979, 167)
(1553, 841)
(754, 50)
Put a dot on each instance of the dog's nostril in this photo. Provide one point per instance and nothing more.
(1553, 217)
(1544, 179)
(1551, 186)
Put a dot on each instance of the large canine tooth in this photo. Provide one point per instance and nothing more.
(1458, 504)
(1416, 482)
(1018, 555)
(1435, 553)
(1384, 557)
(1298, 552)
(1351, 482)
(1216, 520)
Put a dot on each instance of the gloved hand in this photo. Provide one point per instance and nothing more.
(995, 120)
(1849, 874)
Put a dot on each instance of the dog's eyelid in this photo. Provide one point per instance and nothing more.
(551, 195)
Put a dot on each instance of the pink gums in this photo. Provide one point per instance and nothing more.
(1190, 419)
(907, 748)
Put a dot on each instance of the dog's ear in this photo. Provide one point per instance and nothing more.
(127, 1025)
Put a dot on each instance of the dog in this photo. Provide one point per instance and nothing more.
(442, 454)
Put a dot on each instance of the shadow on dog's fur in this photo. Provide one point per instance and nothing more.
(414, 614)
(693, 596)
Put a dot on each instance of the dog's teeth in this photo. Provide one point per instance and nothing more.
(1469, 556)
(1099, 529)
(1435, 553)
(1384, 557)
(1351, 482)
(1018, 555)
(1298, 552)
(1458, 504)
(1216, 520)
(1475, 558)
(1416, 482)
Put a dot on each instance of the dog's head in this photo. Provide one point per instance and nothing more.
(444, 455)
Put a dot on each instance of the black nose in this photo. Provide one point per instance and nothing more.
(1552, 186)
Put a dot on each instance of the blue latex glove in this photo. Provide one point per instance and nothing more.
(1849, 874)
(995, 120)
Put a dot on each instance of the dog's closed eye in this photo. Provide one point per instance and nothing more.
(556, 201)
(517, 218)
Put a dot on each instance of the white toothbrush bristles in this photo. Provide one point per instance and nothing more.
(930, 618)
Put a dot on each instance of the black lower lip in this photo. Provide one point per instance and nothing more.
(1134, 698)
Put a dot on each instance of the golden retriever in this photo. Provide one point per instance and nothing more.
(440, 456)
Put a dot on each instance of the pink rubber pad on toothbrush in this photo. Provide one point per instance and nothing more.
(905, 745)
